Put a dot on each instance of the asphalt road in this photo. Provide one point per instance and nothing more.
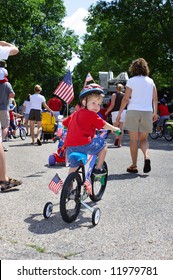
(136, 209)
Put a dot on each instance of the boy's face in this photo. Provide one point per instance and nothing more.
(94, 103)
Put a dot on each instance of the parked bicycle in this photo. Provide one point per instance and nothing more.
(166, 130)
(74, 191)
(19, 131)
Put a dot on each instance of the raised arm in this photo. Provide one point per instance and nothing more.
(13, 49)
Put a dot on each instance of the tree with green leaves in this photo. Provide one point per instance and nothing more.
(120, 31)
(36, 27)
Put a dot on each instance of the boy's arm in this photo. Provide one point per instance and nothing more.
(108, 126)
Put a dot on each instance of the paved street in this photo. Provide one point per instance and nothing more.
(136, 209)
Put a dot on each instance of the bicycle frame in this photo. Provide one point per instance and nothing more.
(87, 175)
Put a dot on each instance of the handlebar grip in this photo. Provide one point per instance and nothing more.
(118, 132)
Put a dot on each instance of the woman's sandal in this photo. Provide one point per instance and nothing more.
(132, 169)
(6, 185)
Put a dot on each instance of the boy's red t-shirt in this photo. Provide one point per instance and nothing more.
(163, 110)
(81, 127)
(11, 115)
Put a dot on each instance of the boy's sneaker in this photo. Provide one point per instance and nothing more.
(99, 172)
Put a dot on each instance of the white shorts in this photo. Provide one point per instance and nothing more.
(115, 114)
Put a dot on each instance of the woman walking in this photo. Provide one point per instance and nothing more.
(141, 100)
(114, 107)
(36, 102)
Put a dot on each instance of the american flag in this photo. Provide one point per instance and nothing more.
(89, 78)
(56, 184)
(65, 88)
(88, 186)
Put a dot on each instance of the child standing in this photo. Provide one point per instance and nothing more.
(82, 126)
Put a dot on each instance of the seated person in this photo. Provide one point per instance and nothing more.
(163, 112)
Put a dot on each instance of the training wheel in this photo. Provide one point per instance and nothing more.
(96, 216)
(47, 211)
(52, 160)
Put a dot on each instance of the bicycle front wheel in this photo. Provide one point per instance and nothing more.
(22, 133)
(70, 197)
(168, 132)
(154, 134)
(98, 184)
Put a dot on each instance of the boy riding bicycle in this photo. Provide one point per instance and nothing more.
(82, 126)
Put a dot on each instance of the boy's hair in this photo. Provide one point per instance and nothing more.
(95, 95)
(85, 100)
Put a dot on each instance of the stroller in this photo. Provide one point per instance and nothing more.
(48, 125)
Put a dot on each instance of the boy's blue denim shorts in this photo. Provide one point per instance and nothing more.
(93, 148)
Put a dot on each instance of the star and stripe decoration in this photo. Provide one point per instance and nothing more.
(88, 186)
(65, 88)
(55, 184)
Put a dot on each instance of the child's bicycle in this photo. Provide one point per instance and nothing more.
(80, 185)
(19, 131)
(166, 130)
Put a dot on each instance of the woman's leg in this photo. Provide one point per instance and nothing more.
(32, 124)
(134, 147)
(122, 134)
(3, 176)
(143, 139)
(39, 130)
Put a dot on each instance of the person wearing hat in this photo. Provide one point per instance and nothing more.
(55, 104)
(82, 126)
(163, 113)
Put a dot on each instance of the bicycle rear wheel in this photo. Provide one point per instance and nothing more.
(70, 197)
(98, 184)
(22, 133)
(17, 132)
(168, 132)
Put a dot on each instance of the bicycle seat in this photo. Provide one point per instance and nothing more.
(79, 156)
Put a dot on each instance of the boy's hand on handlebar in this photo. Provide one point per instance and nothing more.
(118, 132)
